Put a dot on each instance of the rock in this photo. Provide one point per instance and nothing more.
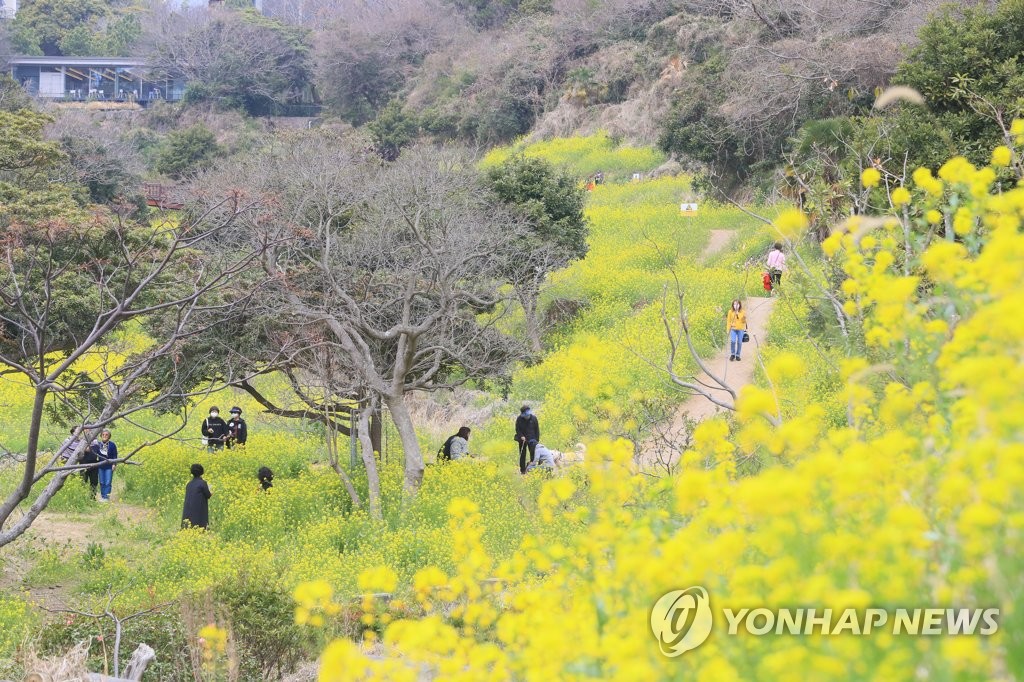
(670, 167)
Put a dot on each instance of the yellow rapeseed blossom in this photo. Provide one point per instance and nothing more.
(900, 196)
(1002, 156)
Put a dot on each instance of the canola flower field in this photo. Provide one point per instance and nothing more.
(893, 479)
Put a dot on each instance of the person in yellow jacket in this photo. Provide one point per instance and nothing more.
(735, 327)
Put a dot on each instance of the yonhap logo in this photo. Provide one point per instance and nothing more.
(681, 620)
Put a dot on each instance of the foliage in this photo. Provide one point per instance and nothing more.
(62, 27)
(392, 129)
(233, 58)
(552, 201)
(262, 623)
(967, 66)
(26, 163)
(188, 151)
(49, 23)
(17, 620)
(370, 78)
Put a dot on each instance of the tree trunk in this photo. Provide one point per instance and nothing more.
(332, 455)
(528, 299)
(370, 459)
(377, 430)
(410, 445)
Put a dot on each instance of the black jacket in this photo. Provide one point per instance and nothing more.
(237, 432)
(528, 426)
(219, 426)
(197, 504)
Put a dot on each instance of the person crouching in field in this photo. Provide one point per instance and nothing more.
(266, 478)
(196, 513)
(456, 447)
(735, 327)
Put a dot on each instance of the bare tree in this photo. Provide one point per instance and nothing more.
(111, 613)
(99, 155)
(70, 291)
(228, 54)
(401, 263)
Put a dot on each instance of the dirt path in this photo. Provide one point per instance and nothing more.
(719, 239)
(736, 374)
(657, 451)
(68, 535)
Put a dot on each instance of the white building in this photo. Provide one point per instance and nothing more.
(8, 8)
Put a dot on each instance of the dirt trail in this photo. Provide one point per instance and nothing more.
(735, 374)
(718, 241)
(68, 534)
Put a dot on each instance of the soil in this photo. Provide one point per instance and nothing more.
(735, 374)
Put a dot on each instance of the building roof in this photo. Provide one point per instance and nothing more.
(75, 61)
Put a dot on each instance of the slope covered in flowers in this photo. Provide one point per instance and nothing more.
(914, 501)
(596, 378)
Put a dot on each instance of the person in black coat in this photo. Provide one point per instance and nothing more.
(90, 475)
(527, 436)
(215, 430)
(266, 477)
(196, 513)
(237, 431)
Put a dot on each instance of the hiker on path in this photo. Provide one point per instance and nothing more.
(104, 450)
(196, 513)
(238, 433)
(90, 475)
(736, 327)
(776, 264)
(215, 430)
(70, 444)
(527, 435)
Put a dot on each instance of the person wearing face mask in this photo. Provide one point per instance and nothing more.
(735, 327)
(215, 431)
(238, 433)
(527, 436)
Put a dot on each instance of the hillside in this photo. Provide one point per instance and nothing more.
(501, 211)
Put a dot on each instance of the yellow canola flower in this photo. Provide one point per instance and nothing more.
(1002, 156)
(900, 196)
(924, 179)
(378, 579)
(791, 223)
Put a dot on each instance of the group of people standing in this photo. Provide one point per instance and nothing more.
(102, 451)
(219, 434)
